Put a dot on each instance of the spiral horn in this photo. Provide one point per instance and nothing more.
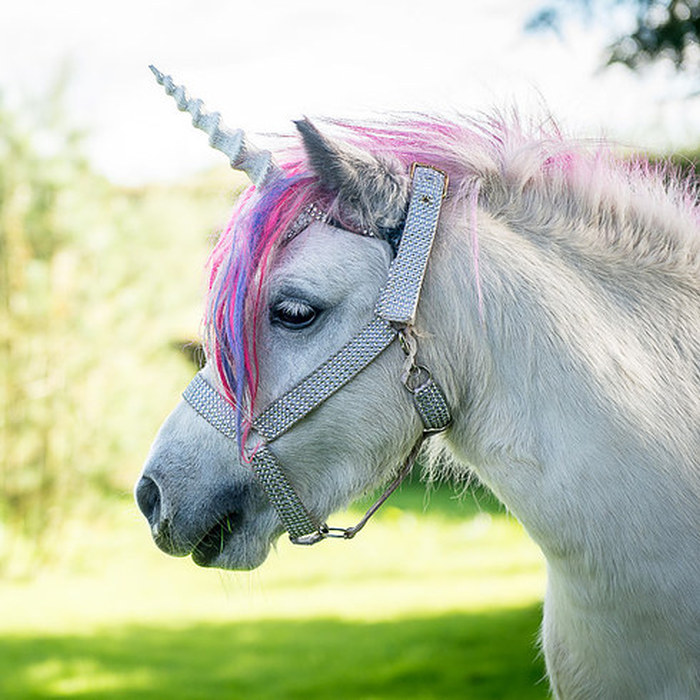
(257, 164)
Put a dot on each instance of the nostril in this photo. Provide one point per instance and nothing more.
(148, 499)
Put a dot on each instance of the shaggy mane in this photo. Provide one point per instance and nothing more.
(533, 175)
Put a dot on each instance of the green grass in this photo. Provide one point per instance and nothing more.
(436, 602)
(480, 655)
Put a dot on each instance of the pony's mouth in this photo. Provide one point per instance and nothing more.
(215, 540)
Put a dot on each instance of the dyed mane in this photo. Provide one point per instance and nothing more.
(531, 176)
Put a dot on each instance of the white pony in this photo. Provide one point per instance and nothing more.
(559, 313)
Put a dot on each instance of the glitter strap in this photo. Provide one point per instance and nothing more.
(211, 405)
(337, 371)
(432, 407)
(296, 519)
(399, 298)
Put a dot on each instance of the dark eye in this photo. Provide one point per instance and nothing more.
(293, 313)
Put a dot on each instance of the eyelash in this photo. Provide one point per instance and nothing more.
(293, 314)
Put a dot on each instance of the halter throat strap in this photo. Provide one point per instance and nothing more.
(394, 317)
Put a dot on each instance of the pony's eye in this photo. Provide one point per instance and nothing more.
(293, 313)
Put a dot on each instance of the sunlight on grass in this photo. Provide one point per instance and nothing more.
(82, 677)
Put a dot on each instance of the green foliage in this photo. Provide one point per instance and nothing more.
(94, 282)
(687, 164)
(664, 29)
(669, 29)
(37, 262)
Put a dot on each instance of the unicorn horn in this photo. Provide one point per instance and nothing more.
(257, 164)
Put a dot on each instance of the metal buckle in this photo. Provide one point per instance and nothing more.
(415, 377)
(311, 538)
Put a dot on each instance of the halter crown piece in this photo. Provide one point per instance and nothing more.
(394, 318)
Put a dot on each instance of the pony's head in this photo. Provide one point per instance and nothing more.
(293, 278)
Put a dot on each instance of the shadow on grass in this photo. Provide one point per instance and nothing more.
(487, 655)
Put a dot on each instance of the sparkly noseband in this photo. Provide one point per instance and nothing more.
(394, 317)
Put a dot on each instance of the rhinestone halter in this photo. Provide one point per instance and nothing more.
(394, 317)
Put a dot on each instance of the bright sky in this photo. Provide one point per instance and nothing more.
(262, 63)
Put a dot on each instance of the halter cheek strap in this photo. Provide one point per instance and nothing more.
(394, 317)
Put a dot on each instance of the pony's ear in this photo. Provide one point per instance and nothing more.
(371, 190)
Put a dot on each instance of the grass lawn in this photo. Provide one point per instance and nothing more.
(428, 602)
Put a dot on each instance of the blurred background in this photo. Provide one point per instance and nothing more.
(109, 203)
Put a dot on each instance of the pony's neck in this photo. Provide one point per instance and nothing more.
(572, 404)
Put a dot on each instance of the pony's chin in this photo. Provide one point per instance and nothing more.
(235, 552)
